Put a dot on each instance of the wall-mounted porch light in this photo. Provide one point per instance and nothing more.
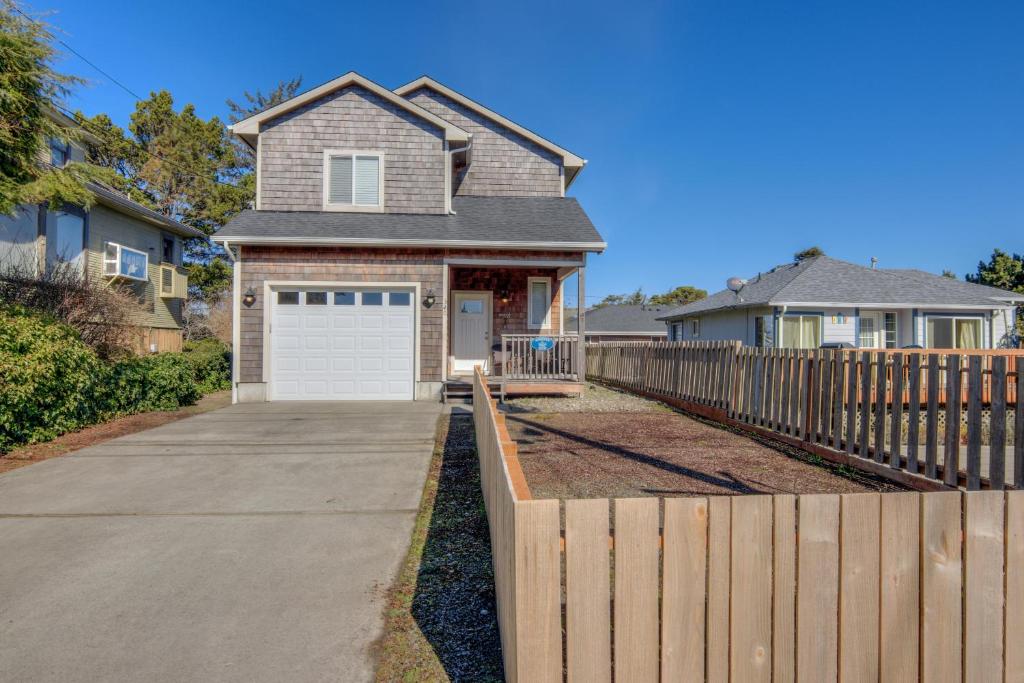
(249, 298)
(429, 299)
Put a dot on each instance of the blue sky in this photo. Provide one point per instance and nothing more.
(721, 137)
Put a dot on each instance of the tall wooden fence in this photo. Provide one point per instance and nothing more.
(815, 588)
(946, 417)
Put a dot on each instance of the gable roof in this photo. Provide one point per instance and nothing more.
(519, 223)
(825, 281)
(569, 159)
(625, 319)
(248, 129)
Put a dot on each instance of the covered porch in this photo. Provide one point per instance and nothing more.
(507, 316)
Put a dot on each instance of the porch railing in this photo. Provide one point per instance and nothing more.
(552, 357)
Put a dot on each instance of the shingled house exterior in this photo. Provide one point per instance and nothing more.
(399, 239)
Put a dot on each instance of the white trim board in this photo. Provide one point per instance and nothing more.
(375, 242)
(251, 126)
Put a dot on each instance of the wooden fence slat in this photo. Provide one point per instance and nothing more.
(896, 423)
(914, 413)
(750, 621)
(881, 393)
(931, 444)
(587, 591)
(899, 572)
(814, 396)
(951, 461)
(858, 588)
(784, 589)
(997, 421)
(684, 577)
(1015, 583)
(1018, 426)
(974, 376)
(719, 530)
(827, 377)
(538, 590)
(851, 403)
(983, 585)
(863, 442)
(817, 638)
(941, 587)
(786, 371)
(636, 589)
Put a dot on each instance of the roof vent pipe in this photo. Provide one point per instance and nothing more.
(874, 263)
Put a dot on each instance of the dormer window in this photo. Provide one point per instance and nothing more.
(353, 181)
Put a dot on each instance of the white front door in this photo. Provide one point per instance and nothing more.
(342, 343)
(471, 331)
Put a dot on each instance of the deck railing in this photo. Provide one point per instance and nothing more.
(532, 357)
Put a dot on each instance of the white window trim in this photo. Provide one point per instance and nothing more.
(356, 208)
(529, 303)
(954, 318)
(116, 262)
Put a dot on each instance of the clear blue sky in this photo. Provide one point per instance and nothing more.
(721, 137)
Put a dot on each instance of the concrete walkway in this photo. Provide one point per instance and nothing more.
(252, 543)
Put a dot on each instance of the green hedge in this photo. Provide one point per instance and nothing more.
(52, 383)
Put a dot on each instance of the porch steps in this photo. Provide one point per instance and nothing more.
(461, 391)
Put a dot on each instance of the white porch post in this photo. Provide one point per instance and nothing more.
(581, 309)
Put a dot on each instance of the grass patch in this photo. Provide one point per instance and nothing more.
(440, 617)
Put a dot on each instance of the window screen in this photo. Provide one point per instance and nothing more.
(340, 189)
(367, 175)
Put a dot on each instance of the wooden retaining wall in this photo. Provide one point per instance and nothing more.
(815, 588)
(850, 404)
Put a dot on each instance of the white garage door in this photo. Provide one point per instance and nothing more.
(342, 344)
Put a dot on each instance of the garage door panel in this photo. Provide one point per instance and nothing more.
(346, 349)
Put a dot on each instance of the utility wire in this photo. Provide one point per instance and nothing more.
(12, 5)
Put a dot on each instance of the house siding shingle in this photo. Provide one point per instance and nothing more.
(504, 163)
(292, 145)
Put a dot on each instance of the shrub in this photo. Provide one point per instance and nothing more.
(54, 383)
(211, 364)
(51, 380)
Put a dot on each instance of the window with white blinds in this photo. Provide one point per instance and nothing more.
(352, 180)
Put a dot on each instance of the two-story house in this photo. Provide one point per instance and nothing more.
(399, 239)
(115, 240)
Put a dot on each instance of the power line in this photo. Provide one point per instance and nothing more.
(12, 5)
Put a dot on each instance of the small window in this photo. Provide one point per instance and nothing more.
(763, 335)
(373, 298)
(288, 298)
(58, 153)
(168, 249)
(166, 280)
(399, 298)
(695, 328)
(471, 307)
(352, 180)
(539, 305)
(122, 261)
(316, 298)
(344, 298)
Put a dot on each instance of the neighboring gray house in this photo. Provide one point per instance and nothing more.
(823, 300)
(115, 239)
(623, 322)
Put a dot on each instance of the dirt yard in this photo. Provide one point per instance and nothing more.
(612, 444)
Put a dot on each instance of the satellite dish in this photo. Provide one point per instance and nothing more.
(735, 284)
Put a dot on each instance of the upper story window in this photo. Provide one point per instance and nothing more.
(167, 249)
(59, 153)
(353, 181)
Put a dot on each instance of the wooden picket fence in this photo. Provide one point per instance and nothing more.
(815, 588)
(945, 417)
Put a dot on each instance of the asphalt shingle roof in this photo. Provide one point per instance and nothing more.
(549, 220)
(623, 318)
(826, 280)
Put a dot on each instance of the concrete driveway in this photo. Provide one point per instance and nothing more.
(252, 543)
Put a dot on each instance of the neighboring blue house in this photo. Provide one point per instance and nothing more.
(823, 300)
